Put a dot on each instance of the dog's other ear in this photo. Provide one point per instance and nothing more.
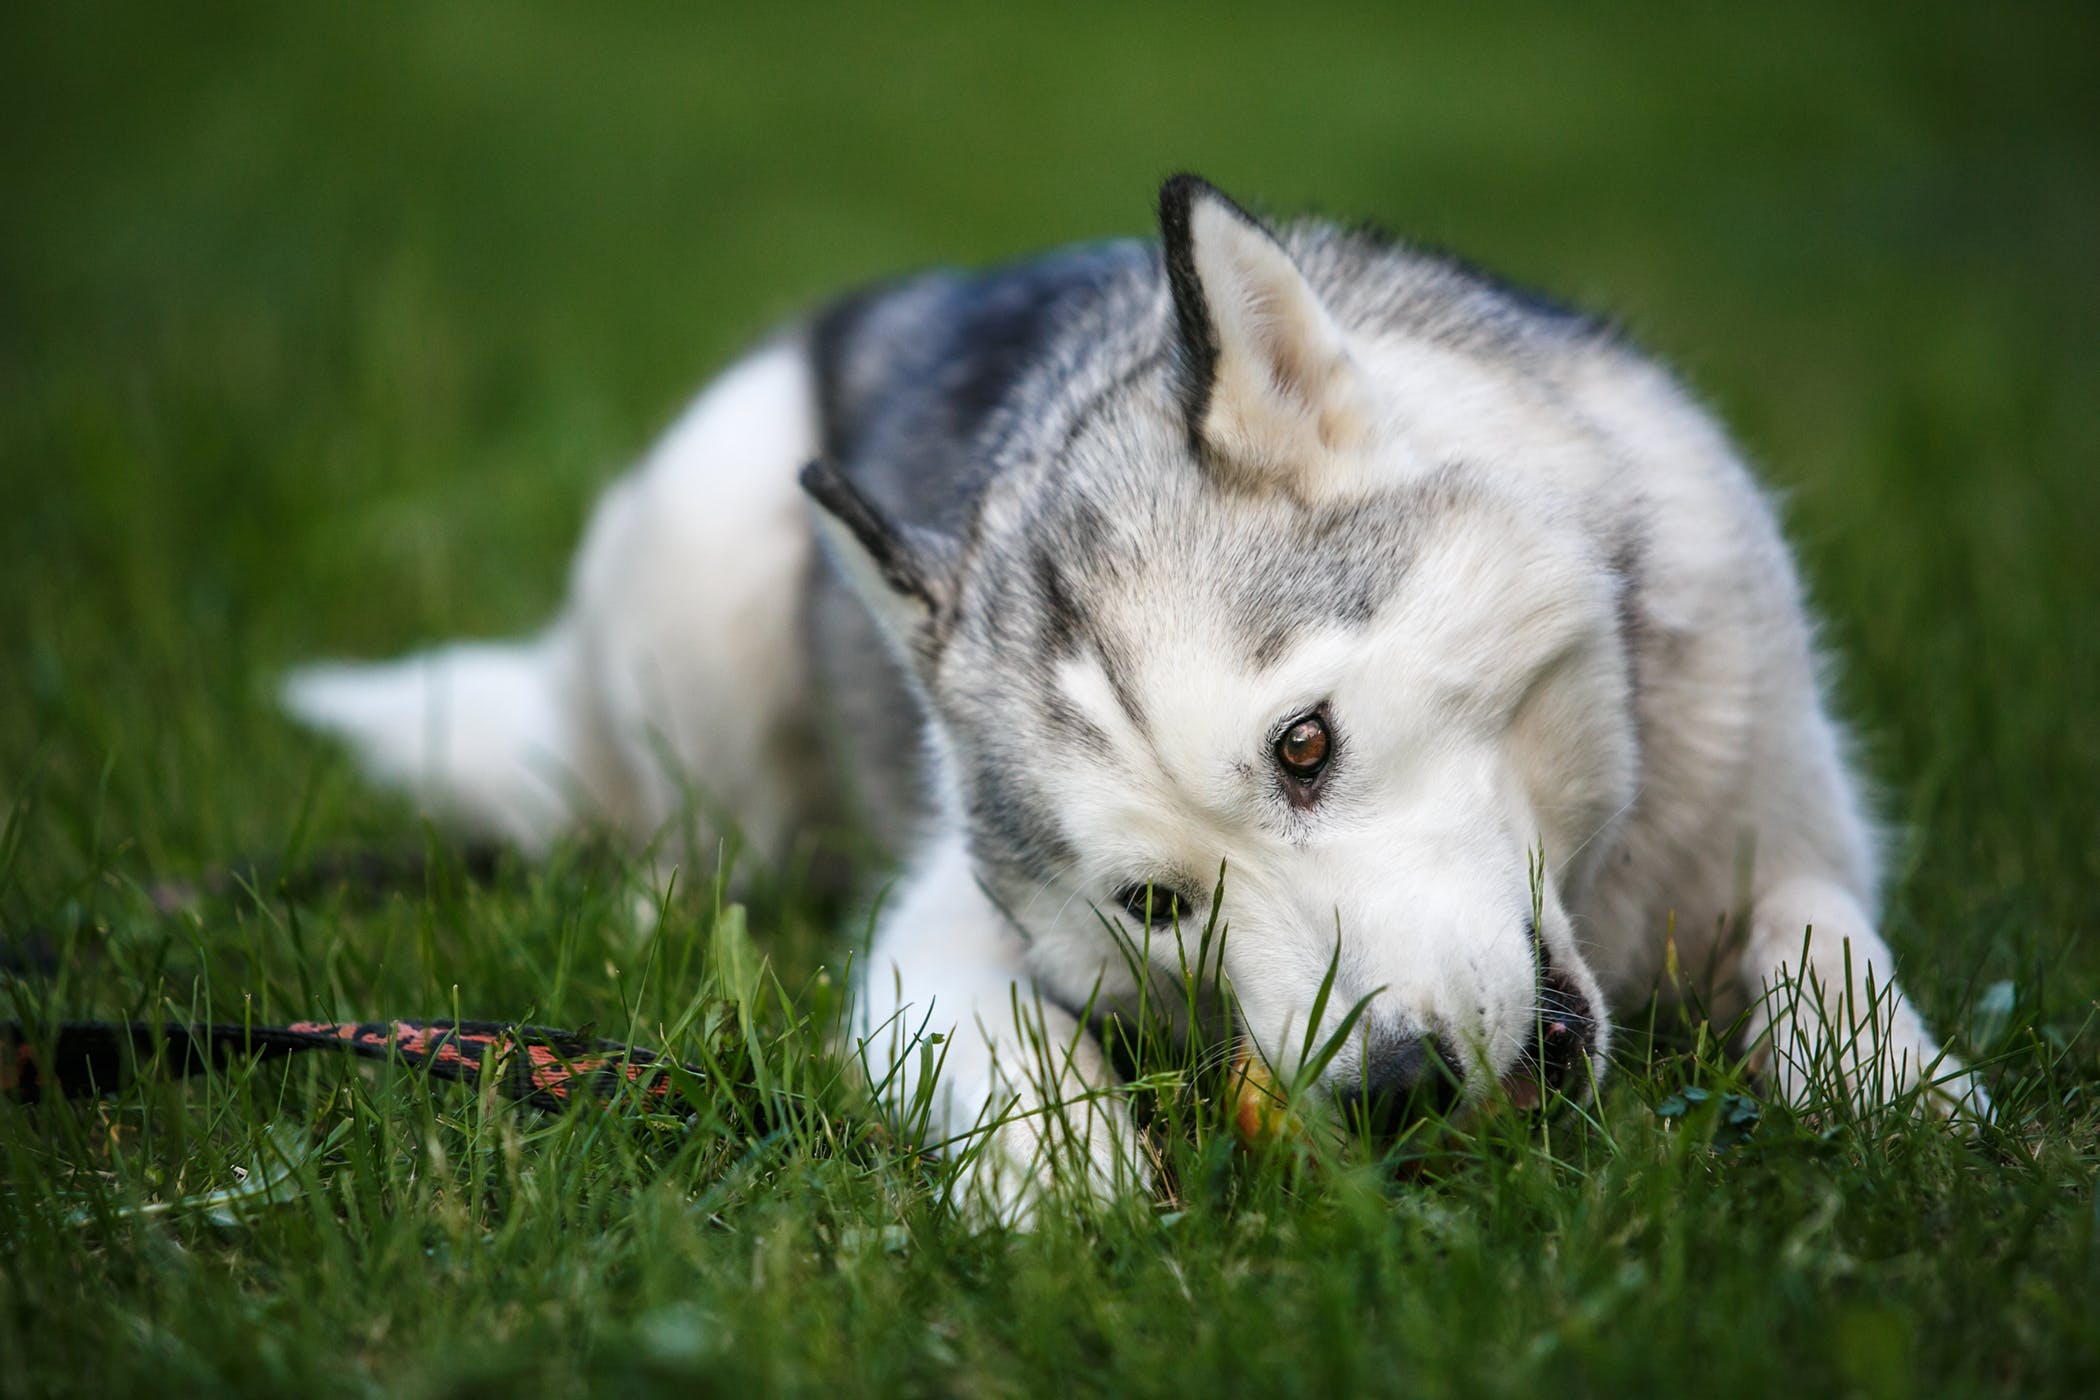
(902, 574)
(1266, 380)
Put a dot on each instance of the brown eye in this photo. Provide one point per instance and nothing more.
(1303, 748)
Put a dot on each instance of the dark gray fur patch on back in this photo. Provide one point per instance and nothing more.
(910, 374)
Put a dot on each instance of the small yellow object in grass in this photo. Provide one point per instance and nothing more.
(1259, 1113)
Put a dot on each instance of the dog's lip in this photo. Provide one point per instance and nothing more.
(1566, 1037)
(1522, 1090)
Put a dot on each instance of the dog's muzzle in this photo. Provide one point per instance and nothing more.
(1406, 1078)
(1403, 1079)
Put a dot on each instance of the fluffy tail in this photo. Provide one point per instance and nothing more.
(479, 733)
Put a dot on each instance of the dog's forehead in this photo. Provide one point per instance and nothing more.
(1126, 557)
(1128, 564)
(1146, 598)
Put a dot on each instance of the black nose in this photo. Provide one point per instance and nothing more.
(1400, 1080)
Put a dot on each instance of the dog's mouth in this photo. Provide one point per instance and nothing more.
(1557, 1059)
(1558, 1054)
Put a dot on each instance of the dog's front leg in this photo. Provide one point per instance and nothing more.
(964, 1048)
(1826, 1011)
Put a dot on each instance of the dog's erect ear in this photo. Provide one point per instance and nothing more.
(903, 574)
(1267, 384)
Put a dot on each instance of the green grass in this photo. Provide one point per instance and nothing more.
(319, 330)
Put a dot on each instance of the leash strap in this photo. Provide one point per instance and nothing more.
(544, 1067)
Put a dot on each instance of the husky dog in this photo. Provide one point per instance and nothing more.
(1282, 547)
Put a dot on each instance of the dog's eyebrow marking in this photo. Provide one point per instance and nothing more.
(1329, 566)
(1269, 648)
(1061, 617)
(1115, 669)
(1060, 713)
(1086, 690)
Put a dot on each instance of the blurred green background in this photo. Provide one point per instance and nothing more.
(321, 325)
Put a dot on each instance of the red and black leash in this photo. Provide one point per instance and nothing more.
(533, 1064)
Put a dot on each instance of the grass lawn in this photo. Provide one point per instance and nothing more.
(320, 327)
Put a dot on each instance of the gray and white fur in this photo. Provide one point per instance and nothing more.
(1101, 532)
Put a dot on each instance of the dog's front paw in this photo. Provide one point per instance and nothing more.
(1083, 1153)
(1868, 1052)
